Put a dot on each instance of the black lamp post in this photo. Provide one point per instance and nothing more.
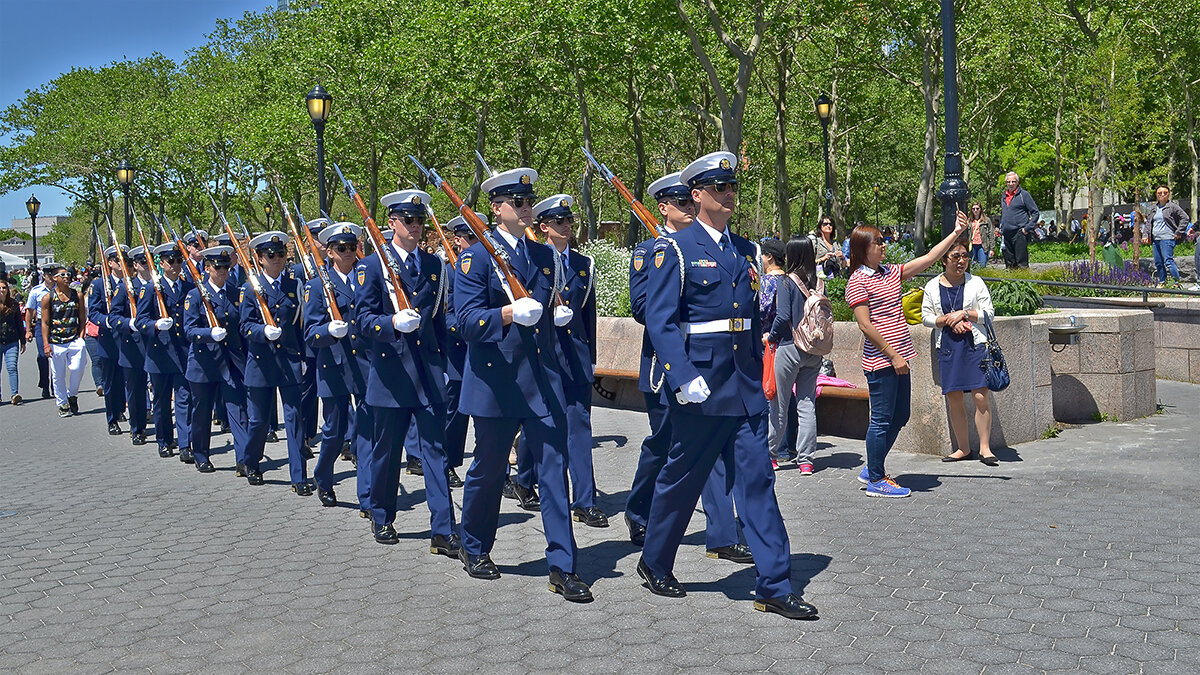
(125, 174)
(267, 209)
(875, 187)
(824, 109)
(319, 103)
(953, 192)
(32, 207)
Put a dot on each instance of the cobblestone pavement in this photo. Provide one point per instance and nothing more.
(1075, 553)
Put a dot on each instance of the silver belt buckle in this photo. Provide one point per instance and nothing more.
(736, 325)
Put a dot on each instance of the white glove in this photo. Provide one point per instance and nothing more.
(272, 332)
(303, 368)
(527, 311)
(695, 391)
(218, 333)
(406, 321)
(164, 324)
(108, 322)
(563, 315)
(338, 329)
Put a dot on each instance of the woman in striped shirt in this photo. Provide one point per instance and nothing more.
(873, 292)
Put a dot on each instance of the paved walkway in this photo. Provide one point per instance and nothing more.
(1075, 553)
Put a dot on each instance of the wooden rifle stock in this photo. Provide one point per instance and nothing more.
(197, 278)
(449, 247)
(124, 270)
(163, 313)
(322, 272)
(251, 271)
(104, 269)
(381, 247)
(639, 209)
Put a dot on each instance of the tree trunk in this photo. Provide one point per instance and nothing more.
(1060, 213)
(634, 102)
(1189, 114)
(924, 207)
(782, 190)
(480, 141)
(589, 209)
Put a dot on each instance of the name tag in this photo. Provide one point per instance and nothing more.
(704, 263)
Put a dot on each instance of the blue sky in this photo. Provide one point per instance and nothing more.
(44, 38)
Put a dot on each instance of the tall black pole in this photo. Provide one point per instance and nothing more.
(320, 127)
(128, 217)
(828, 187)
(33, 226)
(953, 192)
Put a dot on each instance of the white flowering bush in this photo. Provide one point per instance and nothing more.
(612, 277)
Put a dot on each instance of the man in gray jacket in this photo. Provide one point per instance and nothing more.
(1166, 226)
(1018, 216)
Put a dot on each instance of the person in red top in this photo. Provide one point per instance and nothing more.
(873, 292)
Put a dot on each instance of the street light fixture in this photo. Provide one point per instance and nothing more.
(319, 104)
(824, 111)
(32, 206)
(953, 192)
(125, 176)
(876, 188)
(267, 209)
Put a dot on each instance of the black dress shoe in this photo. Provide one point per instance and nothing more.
(447, 546)
(165, 452)
(510, 489)
(138, 439)
(570, 586)
(224, 427)
(254, 477)
(346, 456)
(386, 534)
(952, 458)
(114, 429)
(305, 451)
(667, 586)
(414, 467)
(789, 606)
(990, 460)
(527, 497)
(302, 489)
(452, 478)
(239, 470)
(591, 516)
(738, 553)
(637, 533)
(205, 467)
(73, 401)
(186, 456)
(327, 497)
(478, 566)
(272, 437)
(47, 394)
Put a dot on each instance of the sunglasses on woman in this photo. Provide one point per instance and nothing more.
(271, 255)
(559, 220)
(342, 248)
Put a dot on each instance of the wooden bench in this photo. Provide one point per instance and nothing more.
(617, 373)
(856, 394)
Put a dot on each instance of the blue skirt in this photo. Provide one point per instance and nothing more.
(959, 360)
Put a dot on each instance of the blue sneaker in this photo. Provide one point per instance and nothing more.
(887, 488)
(864, 477)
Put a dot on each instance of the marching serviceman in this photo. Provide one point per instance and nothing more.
(512, 380)
(577, 340)
(273, 356)
(166, 353)
(456, 356)
(407, 378)
(216, 360)
(195, 247)
(721, 536)
(308, 387)
(99, 303)
(341, 362)
(130, 355)
(702, 317)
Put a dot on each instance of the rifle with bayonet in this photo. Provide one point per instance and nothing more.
(477, 226)
(124, 269)
(451, 256)
(639, 209)
(246, 235)
(104, 269)
(322, 273)
(251, 272)
(163, 312)
(301, 250)
(169, 233)
(382, 249)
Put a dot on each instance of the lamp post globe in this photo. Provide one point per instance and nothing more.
(267, 210)
(33, 206)
(824, 110)
(125, 176)
(319, 104)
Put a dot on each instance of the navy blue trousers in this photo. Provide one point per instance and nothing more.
(204, 396)
(261, 399)
(168, 386)
(114, 389)
(714, 496)
(391, 426)
(345, 420)
(698, 443)
(547, 440)
(135, 397)
(579, 450)
(456, 425)
(308, 398)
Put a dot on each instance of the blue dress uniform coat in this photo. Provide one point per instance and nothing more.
(406, 383)
(214, 369)
(166, 360)
(456, 357)
(512, 380)
(692, 279)
(308, 385)
(114, 377)
(130, 354)
(341, 369)
(271, 364)
(717, 502)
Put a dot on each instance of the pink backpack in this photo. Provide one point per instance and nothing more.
(814, 334)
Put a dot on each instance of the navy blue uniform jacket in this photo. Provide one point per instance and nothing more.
(209, 360)
(169, 355)
(272, 363)
(341, 362)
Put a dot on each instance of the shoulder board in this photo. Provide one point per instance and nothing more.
(661, 244)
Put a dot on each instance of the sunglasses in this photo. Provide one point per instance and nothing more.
(683, 202)
(958, 256)
(172, 259)
(879, 242)
(271, 255)
(518, 202)
(559, 220)
(221, 265)
(409, 220)
(722, 188)
(342, 248)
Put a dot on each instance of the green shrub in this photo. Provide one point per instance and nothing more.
(612, 277)
(1012, 297)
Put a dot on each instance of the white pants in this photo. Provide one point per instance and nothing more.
(67, 363)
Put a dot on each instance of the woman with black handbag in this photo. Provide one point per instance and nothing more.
(957, 304)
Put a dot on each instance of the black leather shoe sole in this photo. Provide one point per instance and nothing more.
(327, 498)
(736, 554)
(481, 569)
(385, 534)
(591, 517)
(790, 607)
(990, 461)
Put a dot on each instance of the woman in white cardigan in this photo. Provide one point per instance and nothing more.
(955, 304)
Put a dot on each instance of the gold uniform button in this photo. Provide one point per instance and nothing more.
(735, 348)
(735, 284)
(418, 343)
(568, 331)
(352, 351)
(735, 305)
